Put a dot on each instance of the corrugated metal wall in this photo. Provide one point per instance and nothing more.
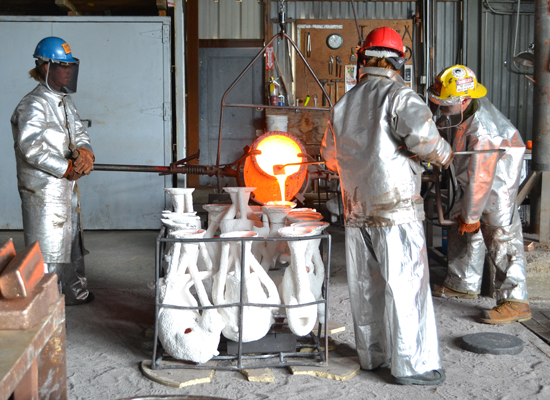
(507, 88)
(296, 10)
(343, 10)
(447, 26)
(231, 19)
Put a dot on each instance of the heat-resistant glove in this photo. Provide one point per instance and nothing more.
(463, 227)
(70, 174)
(83, 161)
(449, 160)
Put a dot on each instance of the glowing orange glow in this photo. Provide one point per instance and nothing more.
(277, 148)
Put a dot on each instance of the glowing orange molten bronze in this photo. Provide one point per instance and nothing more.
(277, 148)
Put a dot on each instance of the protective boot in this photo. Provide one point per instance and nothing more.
(435, 377)
(506, 312)
(448, 293)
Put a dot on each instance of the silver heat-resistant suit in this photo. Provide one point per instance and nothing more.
(46, 127)
(377, 135)
(488, 185)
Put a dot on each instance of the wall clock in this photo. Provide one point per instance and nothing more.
(334, 41)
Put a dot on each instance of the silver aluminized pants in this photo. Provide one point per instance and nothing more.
(504, 241)
(72, 276)
(391, 300)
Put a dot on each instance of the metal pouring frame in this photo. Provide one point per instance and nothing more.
(281, 35)
(237, 360)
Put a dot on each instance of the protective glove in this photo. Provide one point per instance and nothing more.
(70, 174)
(463, 227)
(83, 161)
(449, 160)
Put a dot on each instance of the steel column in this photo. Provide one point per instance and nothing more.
(541, 115)
(540, 214)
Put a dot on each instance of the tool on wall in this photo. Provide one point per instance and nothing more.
(353, 56)
(330, 85)
(331, 65)
(323, 83)
(338, 66)
(307, 87)
(336, 82)
(308, 45)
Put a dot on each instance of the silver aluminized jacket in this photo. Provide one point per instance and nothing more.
(488, 189)
(45, 127)
(373, 138)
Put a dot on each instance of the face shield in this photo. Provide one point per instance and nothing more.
(61, 76)
(448, 113)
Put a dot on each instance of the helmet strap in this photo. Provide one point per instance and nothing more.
(46, 80)
(451, 117)
(47, 76)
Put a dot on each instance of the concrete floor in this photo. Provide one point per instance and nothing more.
(106, 339)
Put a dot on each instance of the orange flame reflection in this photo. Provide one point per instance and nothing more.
(277, 148)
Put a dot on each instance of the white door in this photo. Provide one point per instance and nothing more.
(123, 89)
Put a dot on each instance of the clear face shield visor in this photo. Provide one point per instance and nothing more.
(448, 113)
(62, 77)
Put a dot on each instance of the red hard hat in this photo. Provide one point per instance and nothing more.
(385, 37)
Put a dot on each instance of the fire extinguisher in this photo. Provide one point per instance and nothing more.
(273, 92)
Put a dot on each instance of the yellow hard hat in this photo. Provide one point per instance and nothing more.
(454, 84)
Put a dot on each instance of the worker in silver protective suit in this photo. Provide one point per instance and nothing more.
(377, 135)
(52, 151)
(488, 187)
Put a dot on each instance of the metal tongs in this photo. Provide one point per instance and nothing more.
(279, 169)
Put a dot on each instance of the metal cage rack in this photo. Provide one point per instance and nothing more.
(316, 356)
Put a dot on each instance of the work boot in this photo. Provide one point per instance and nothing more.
(506, 312)
(79, 302)
(448, 293)
(435, 377)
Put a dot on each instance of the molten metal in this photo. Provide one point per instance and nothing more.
(276, 148)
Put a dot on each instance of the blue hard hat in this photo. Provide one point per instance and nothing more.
(54, 49)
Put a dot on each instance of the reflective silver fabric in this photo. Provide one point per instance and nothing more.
(45, 127)
(373, 135)
(391, 300)
(488, 190)
(505, 246)
(488, 182)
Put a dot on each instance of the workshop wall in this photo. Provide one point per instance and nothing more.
(491, 43)
(331, 55)
(310, 126)
(230, 19)
(507, 86)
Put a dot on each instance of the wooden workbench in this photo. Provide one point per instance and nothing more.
(32, 361)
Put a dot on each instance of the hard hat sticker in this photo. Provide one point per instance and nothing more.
(459, 73)
(66, 48)
(463, 85)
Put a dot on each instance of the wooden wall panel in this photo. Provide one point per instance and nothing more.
(319, 30)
